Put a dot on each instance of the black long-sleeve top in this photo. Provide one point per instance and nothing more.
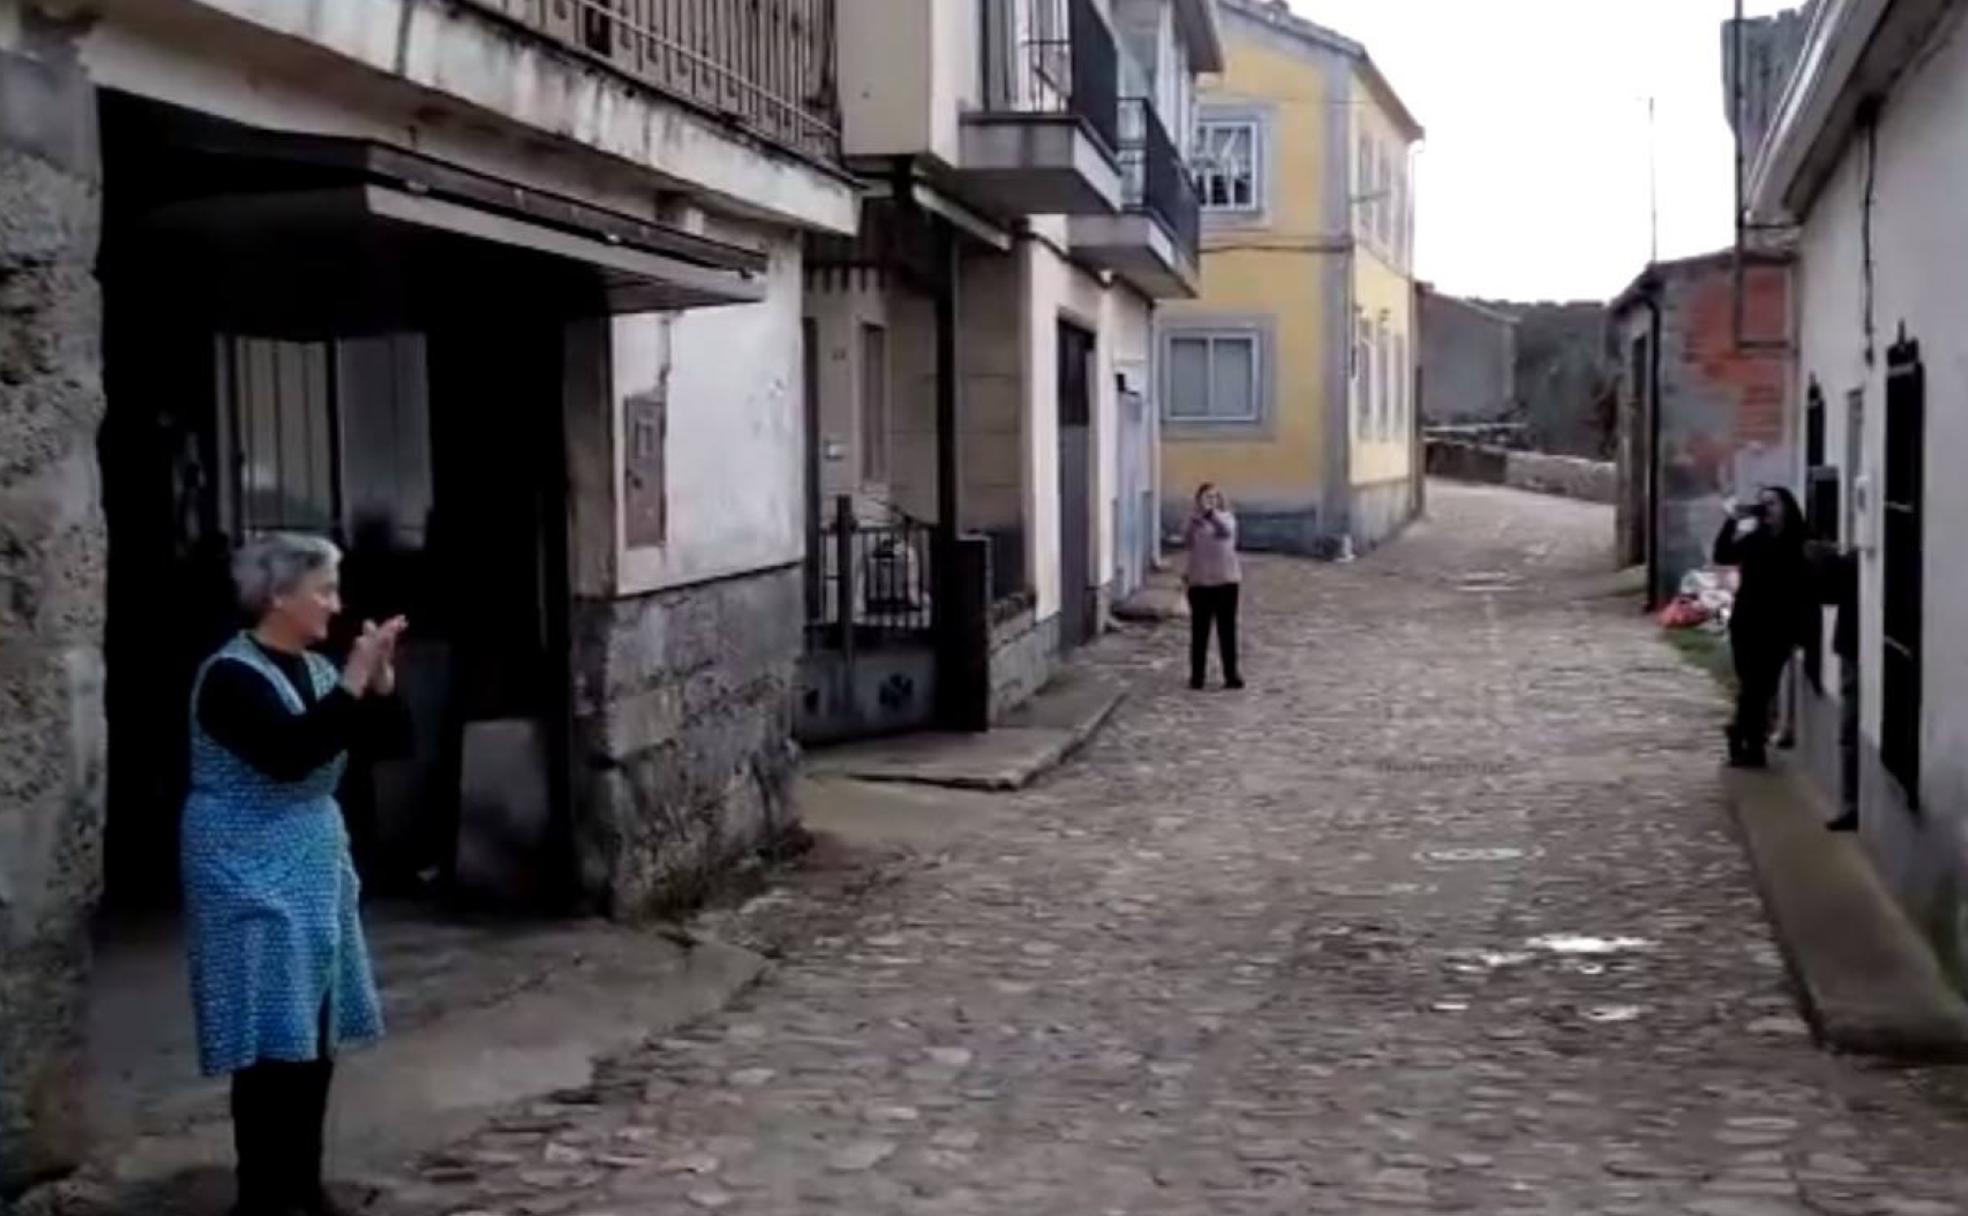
(246, 715)
(1775, 601)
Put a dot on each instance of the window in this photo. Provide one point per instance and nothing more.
(1902, 623)
(1227, 168)
(1363, 188)
(1363, 373)
(1403, 382)
(277, 398)
(874, 403)
(1401, 230)
(1213, 378)
(1384, 381)
(1383, 204)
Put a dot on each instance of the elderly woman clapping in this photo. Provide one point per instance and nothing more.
(279, 971)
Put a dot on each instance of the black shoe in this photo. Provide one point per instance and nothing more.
(1848, 822)
(1196, 685)
(1233, 684)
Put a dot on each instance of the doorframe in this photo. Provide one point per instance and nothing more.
(1076, 633)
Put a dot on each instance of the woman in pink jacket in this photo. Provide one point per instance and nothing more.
(1214, 578)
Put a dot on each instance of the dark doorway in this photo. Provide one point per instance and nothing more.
(322, 382)
(1077, 600)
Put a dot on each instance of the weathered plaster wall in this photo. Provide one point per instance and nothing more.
(1922, 170)
(470, 60)
(735, 449)
(840, 304)
(685, 652)
(52, 557)
(1722, 429)
(683, 718)
(1062, 292)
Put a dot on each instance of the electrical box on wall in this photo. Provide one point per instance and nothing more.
(1864, 534)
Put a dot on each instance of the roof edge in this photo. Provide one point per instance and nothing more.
(1277, 15)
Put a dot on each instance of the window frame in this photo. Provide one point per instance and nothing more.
(1260, 333)
(1384, 378)
(1363, 375)
(1251, 124)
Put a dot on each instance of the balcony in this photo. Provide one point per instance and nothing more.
(1047, 140)
(766, 67)
(1153, 242)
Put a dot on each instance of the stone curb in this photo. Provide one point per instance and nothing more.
(1034, 740)
(1868, 983)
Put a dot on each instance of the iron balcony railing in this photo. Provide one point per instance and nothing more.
(1055, 57)
(765, 66)
(1154, 178)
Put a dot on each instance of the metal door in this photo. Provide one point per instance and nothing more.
(1076, 607)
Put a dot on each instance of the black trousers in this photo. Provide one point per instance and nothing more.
(1759, 675)
(1213, 608)
(279, 1113)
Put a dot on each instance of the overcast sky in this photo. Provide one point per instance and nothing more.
(1533, 180)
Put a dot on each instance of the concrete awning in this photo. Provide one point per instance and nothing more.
(361, 218)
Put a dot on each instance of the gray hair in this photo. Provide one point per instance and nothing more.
(271, 566)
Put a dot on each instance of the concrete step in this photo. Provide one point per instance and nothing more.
(1031, 741)
(1868, 981)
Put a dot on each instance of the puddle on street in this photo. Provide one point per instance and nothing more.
(1472, 962)
(1472, 854)
(1579, 943)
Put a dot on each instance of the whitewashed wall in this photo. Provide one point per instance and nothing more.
(1922, 175)
(736, 443)
(1063, 292)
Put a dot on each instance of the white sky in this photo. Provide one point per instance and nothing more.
(1533, 179)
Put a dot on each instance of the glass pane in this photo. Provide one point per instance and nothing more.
(1188, 378)
(1233, 378)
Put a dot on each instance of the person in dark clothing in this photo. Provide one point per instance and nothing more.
(1765, 542)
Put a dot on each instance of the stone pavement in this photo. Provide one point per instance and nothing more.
(1440, 915)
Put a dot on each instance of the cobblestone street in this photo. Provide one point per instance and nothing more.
(1442, 914)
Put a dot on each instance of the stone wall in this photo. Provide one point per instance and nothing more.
(1564, 476)
(1024, 655)
(52, 555)
(1468, 361)
(683, 715)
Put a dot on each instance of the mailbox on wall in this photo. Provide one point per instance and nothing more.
(645, 425)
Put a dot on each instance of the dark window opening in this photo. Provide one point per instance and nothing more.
(1904, 544)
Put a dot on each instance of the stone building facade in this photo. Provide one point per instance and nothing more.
(52, 562)
(503, 310)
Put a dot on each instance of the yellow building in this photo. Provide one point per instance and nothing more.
(1290, 382)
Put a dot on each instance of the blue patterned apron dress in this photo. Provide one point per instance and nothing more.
(272, 924)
